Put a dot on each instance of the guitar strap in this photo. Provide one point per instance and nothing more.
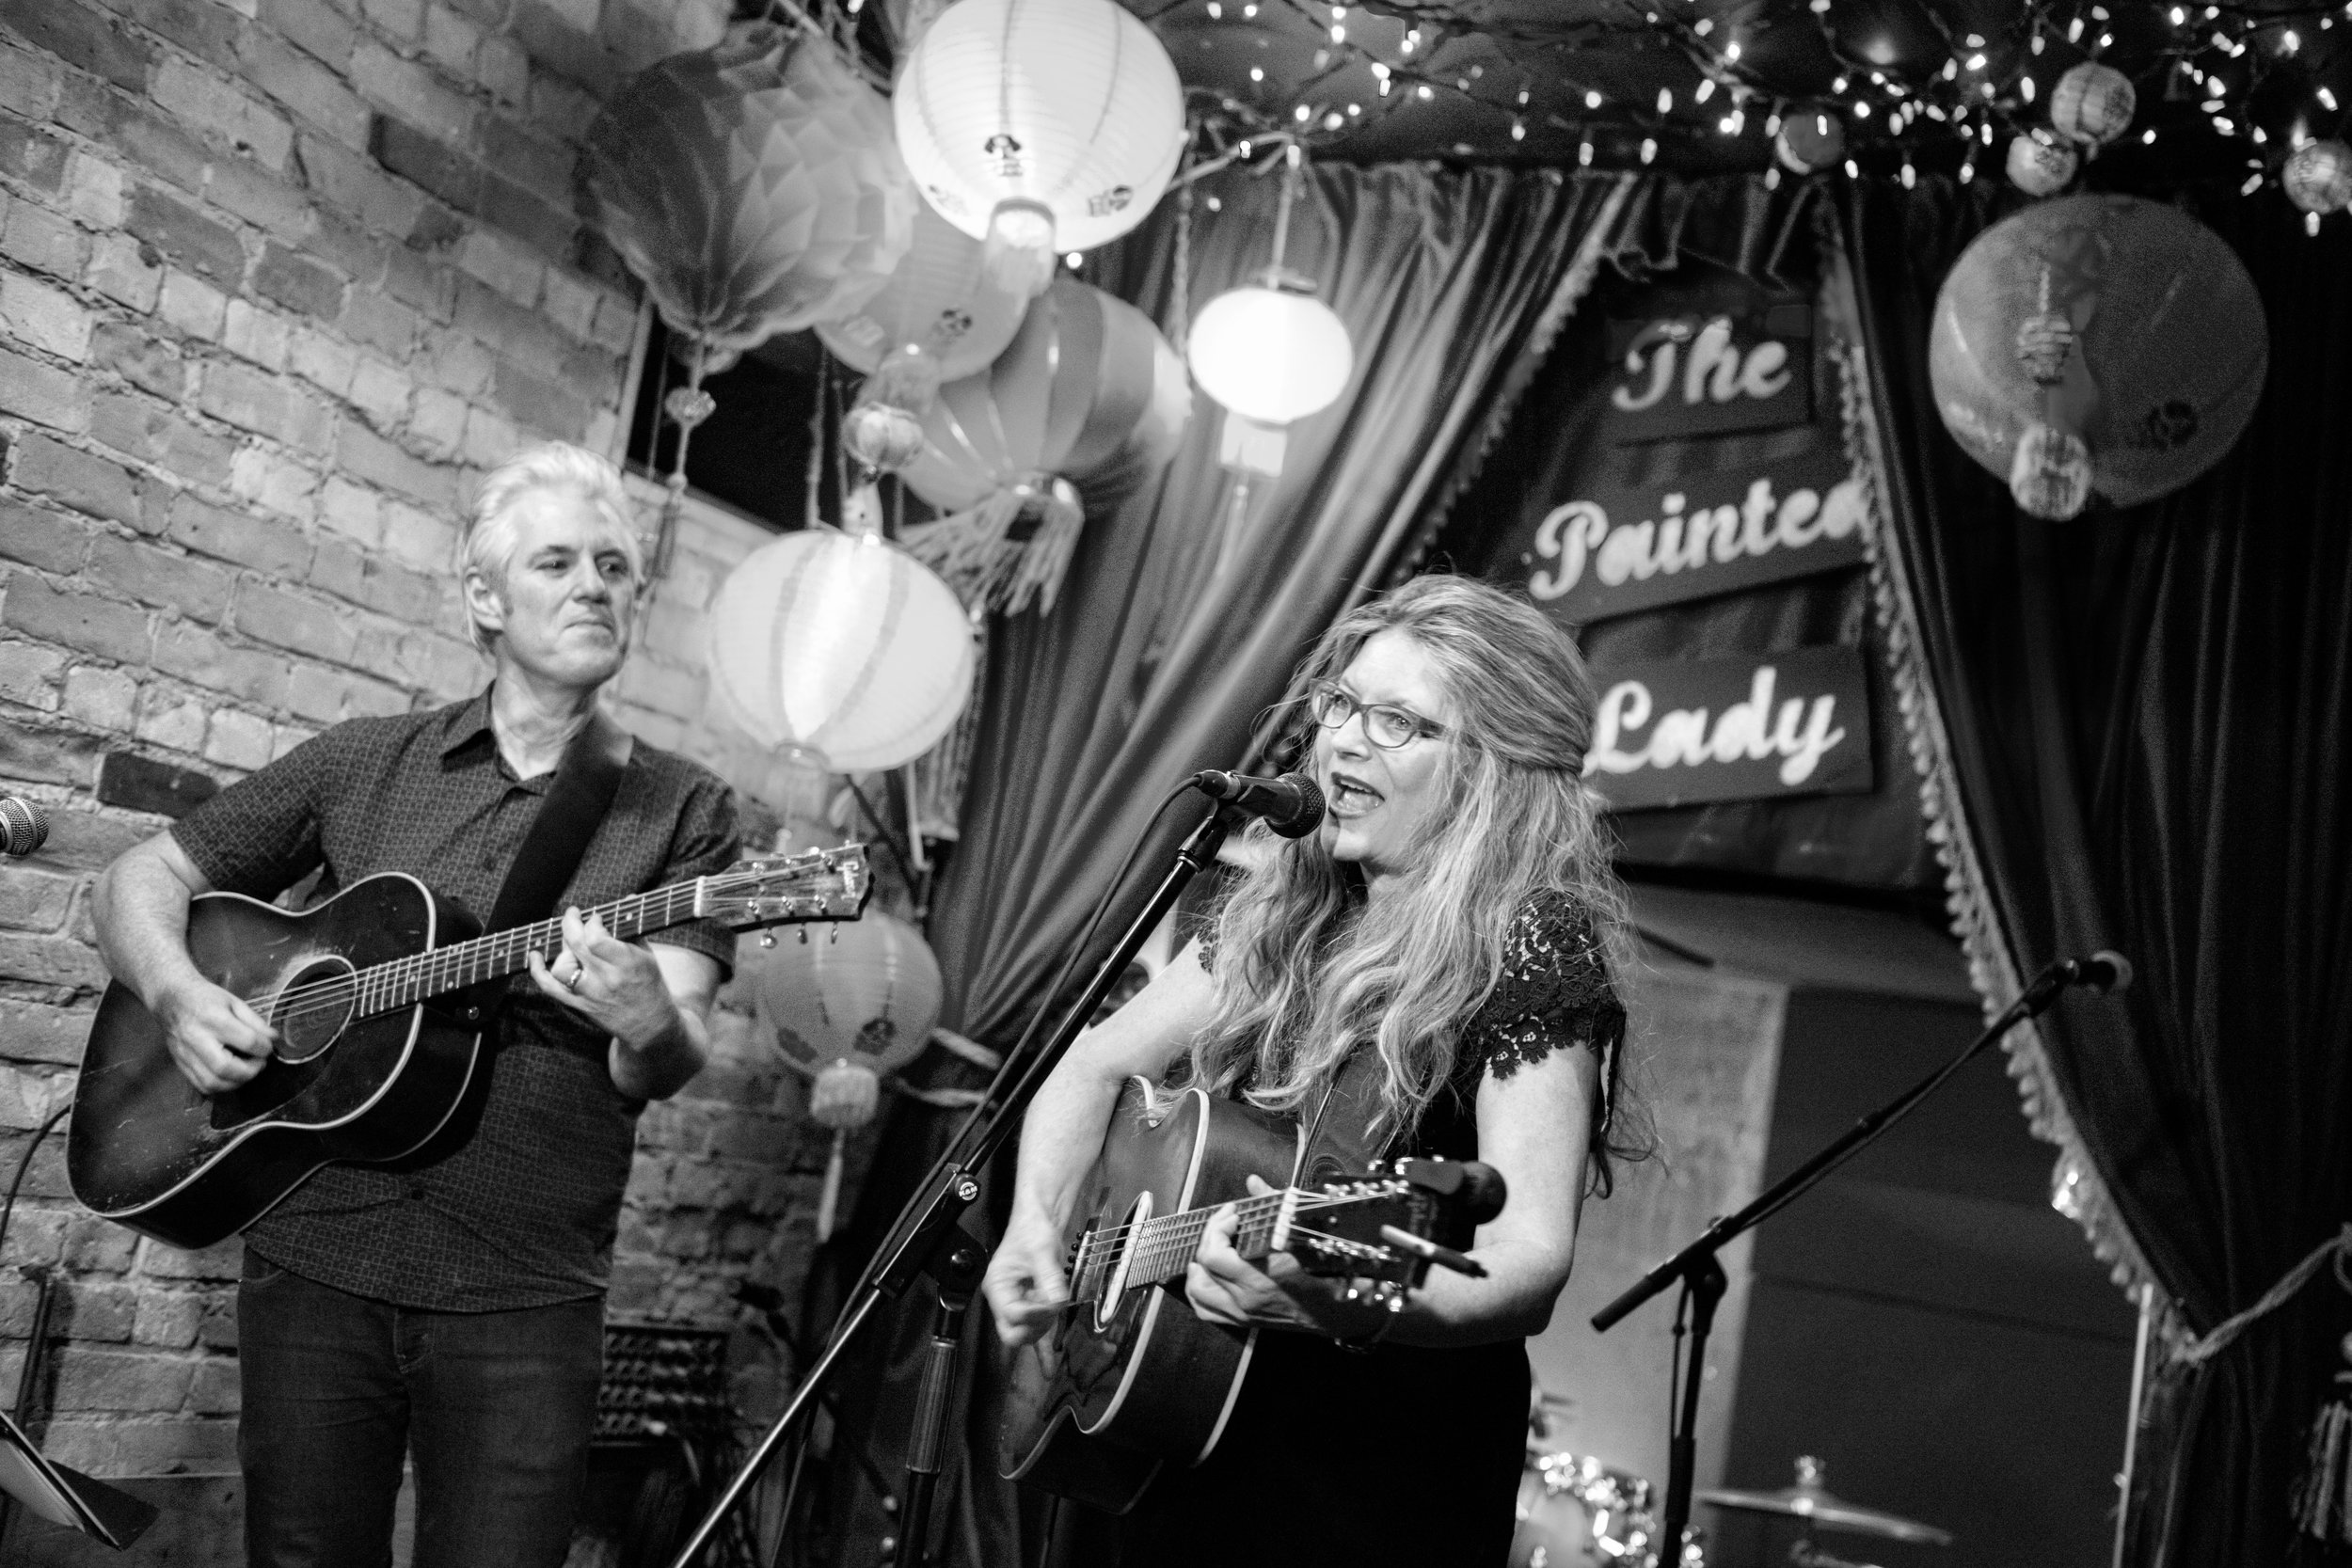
(1339, 1139)
(585, 781)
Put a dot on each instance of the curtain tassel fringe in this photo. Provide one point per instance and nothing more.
(974, 552)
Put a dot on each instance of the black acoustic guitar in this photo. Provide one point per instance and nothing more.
(380, 997)
(1129, 1378)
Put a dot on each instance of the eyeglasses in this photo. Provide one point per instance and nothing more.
(1385, 725)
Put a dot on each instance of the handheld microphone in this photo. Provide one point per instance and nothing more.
(1292, 804)
(25, 824)
(2104, 973)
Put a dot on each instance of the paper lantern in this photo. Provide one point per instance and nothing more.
(2093, 103)
(1271, 351)
(1087, 405)
(848, 1005)
(2039, 167)
(938, 318)
(1809, 139)
(2318, 179)
(840, 647)
(2050, 476)
(884, 437)
(753, 186)
(2166, 346)
(1040, 126)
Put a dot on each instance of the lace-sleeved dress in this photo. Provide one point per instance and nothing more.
(1407, 1457)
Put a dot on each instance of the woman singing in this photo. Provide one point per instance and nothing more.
(1454, 917)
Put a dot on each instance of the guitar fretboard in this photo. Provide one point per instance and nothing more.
(1166, 1245)
(405, 982)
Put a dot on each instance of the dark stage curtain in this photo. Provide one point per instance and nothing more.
(2147, 720)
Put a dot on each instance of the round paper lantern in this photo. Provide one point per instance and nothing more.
(847, 1004)
(1087, 405)
(841, 647)
(1039, 125)
(2318, 177)
(884, 436)
(1809, 139)
(2039, 167)
(2166, 346)
(2050, 476)
(939, 318)
(1271, 351)
(2093, 103)
(751, 187)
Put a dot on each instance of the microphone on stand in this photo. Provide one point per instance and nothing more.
(24, 825)
(2103, 974)
(1292, 804)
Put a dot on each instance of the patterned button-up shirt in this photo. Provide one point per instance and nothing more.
(522, 1211)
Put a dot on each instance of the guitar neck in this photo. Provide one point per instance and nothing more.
(405, 982)
(1166, 1245)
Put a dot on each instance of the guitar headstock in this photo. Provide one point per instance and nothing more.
(776, 890)
(1336, 1229)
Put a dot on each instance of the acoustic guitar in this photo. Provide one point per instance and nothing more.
(1128, 1378)
(380, 998)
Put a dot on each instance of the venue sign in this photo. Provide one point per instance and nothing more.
(1690, 370)
(1620, 547)
(1761, 725)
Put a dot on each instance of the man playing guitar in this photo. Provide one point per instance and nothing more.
(449, 1305)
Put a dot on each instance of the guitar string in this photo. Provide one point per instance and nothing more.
(458, 957)
(1086, 1280)
(443, 963)
(1182, 1236)
(446, 968)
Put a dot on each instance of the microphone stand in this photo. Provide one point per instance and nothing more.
(1702, 1276)
(928, 1238)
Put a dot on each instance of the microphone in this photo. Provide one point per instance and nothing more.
(2104, 973)
(1292, 805)
(25, 824)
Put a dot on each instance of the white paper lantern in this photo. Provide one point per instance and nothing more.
(2093, 103)
(1271, 351)
(2039, 167)
(841, 646)
(1040, 126)
(2318, 177)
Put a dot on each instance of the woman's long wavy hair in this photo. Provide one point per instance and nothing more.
(1304, 971)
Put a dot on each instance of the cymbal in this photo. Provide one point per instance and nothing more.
(1813, 1503)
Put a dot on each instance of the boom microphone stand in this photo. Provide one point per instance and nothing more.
(1702, 1276)
(929, 1237)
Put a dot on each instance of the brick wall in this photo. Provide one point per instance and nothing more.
(277, 280)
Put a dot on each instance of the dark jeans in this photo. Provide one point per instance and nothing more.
(496, 1407)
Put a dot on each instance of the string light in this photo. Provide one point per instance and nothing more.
(1978, 92)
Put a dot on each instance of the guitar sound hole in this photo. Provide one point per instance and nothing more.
(312, 1008)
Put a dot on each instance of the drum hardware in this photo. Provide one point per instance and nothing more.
(1810, 1502)
(1574, 1511)
(1804, 1554)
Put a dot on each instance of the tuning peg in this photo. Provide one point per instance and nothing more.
(803, 936)
(766, 938)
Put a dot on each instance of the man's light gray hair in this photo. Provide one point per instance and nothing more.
(489, 545)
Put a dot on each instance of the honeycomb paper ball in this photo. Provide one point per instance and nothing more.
(751, 187)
